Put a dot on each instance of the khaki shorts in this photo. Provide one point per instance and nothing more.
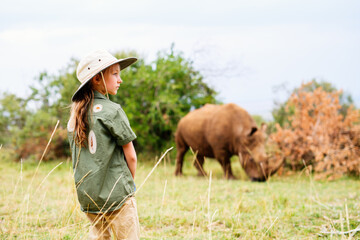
(123, 222)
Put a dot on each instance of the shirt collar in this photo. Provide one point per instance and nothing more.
(98, 95)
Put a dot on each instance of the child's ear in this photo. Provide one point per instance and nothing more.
(96, 79)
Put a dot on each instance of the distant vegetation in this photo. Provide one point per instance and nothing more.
(281, 112)
(318, 131)
(154, 95)
(317, 126)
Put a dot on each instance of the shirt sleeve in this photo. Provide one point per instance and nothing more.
(120, 129)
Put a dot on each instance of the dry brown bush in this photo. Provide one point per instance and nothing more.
(35, 146)
(319, 136)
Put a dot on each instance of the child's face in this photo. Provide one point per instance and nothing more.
(112, 79)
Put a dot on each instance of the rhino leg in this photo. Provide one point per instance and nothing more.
(199, 164)
(227, 169)
(224, 159)
(180, 159)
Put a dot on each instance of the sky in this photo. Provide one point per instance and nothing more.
(252, 52)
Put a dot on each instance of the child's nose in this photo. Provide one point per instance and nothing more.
(120, 80)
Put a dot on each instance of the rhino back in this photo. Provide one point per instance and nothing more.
(227, 126)
(192, 129)
(215, 127)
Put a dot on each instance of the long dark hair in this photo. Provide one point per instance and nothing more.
(79, 113)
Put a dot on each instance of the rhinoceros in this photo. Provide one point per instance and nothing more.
(221, 131)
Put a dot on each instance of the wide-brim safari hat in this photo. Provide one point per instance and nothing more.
(94, 63)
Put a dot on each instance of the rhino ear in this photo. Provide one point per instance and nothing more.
(253, 130)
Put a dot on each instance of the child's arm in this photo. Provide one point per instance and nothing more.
(130, 156)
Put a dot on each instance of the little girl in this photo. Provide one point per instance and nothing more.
(103, 155)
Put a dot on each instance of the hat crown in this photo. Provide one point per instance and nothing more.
(94, 63)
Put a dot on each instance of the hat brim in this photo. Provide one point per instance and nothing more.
(124, 63)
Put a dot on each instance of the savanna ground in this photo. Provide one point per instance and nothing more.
(42, 204)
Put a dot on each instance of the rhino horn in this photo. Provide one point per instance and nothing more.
(271, 168)
(259, 171)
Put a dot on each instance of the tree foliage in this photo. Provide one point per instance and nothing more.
(282, 112)
(154, 95)
(13, 114)
(317, 134)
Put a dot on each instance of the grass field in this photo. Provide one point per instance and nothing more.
(44, 205)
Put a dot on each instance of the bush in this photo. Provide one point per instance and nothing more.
(319, 135)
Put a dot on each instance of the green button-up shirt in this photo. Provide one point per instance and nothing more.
(102, 178)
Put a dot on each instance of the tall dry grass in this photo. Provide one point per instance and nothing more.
(189, 207)
(38, 201)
